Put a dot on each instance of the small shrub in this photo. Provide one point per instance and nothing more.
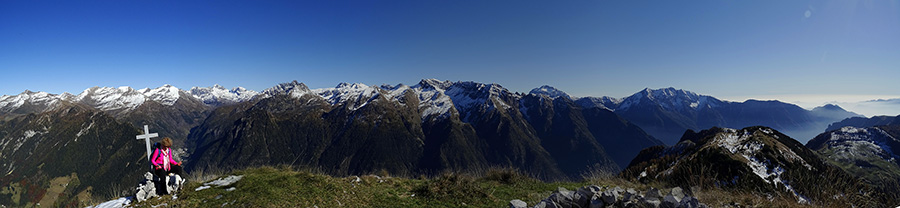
(505, 175)
(453, 187)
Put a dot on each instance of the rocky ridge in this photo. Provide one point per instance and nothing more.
(597, 197)
(756, 159)
(869, 152)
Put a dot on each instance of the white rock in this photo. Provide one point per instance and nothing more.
(515, 203)
(224, 181)
(678, 193)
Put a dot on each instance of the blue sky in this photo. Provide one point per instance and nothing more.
(729, 49)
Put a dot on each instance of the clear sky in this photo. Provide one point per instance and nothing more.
(724, 48)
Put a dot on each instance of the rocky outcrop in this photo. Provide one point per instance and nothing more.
(595, 196)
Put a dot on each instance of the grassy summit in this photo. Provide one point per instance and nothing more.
(287, 187)
(284, 187)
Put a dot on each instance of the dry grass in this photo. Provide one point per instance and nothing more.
(204, 174)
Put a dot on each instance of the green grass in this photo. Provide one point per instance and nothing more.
(284, 187)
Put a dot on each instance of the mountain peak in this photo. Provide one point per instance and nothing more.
(351, 86)
(434, 84)
(550, 91)
(668, 98)
(833, 107)
(218, 95)
(669, 92)
(284, 88)
(166, 95)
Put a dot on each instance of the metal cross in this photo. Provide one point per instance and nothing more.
(146, 136)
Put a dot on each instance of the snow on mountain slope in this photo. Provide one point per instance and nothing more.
(549, 91)
(741, 142)
(605, 102)
(166, 95)
(294, 89)
(218, 95)
(851, 142)
(356, 95)
(436, 98)
(124, 97)
(107, 98)
(669, 99)
(472, 97)
(432, 100)
(11, 103)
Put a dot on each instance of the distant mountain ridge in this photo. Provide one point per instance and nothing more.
(863, 122)
(666, 113)
(122, 98)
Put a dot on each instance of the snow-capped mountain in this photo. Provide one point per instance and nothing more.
(436, 98)
(109, 99)
(669, 99)
(33, 101)
(552, 92)
(218, 95)
(122, 98)
(294, 89)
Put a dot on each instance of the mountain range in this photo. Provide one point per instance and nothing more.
(429, 127)
(426, 128)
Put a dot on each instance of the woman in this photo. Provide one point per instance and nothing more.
(163, 161)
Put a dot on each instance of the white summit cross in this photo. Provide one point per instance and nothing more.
(146, 136)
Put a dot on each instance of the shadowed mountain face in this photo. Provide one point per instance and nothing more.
(81, 150)
(666, 113)
(562, 124)
(427, 128)
(754, 159)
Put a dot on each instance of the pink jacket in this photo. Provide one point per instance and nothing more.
(159, 158)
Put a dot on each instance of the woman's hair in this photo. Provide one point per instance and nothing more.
(166, 142)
